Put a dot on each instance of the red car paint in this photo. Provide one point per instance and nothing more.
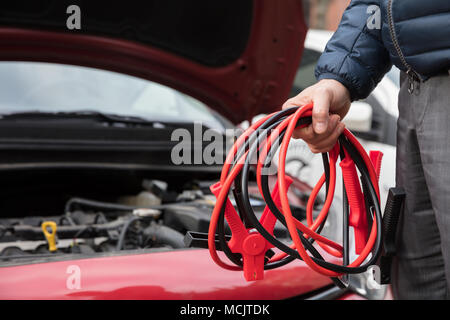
(186, 274)
(259, 81)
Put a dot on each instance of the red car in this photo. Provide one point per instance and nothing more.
(90, 98)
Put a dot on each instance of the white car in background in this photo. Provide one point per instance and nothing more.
(372, 120)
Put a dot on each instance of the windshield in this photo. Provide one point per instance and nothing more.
(47, 87)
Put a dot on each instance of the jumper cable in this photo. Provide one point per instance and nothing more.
(248, 247)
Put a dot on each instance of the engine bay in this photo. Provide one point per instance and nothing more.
(112, 213)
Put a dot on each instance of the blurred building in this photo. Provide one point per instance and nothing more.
(325, 14)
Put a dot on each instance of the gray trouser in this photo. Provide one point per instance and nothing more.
(421, 269)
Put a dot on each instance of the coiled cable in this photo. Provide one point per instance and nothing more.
(260, 142)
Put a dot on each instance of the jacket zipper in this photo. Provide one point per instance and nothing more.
(413, 76)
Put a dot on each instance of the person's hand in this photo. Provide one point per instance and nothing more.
(328, 96)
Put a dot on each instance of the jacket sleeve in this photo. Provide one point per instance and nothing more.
(355, 55)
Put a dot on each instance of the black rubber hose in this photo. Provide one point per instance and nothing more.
(165, 235)
(248, 211)
(365, 175)
(307, 243)
(268, 125)
(277, 118)
(337, 268)
(235, 258)
(267, 195)
(123, 233)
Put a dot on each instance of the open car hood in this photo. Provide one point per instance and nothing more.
(237, 56)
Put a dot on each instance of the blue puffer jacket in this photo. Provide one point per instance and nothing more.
(412, 34)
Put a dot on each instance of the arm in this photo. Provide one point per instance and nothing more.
(353, 63)
(355, 55)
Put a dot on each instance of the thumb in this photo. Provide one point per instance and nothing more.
(321, 109)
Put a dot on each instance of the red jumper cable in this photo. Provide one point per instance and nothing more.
(249, 246)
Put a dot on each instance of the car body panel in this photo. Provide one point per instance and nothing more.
(185, 274)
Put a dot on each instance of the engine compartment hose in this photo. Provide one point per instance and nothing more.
(162, 234)
(254, 150)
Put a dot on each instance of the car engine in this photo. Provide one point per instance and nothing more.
(88, 226)
(156, 218)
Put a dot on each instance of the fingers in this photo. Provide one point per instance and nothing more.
(321, 142)
(321, 109)
(310, 136)
(321, 96)
(327, 95)
(328, 143)
(306, 133)
(298, 101)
